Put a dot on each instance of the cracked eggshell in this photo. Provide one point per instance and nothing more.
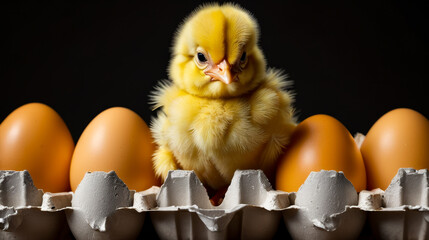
(22, 215)
(102, 209)
(249, 205)
(325, 207)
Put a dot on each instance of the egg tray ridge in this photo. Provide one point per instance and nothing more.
(325, 207)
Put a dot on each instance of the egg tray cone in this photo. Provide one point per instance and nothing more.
(325, 207)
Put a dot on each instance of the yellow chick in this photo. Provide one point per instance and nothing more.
(223, 110)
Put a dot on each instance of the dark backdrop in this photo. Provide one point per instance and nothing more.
(354, 61)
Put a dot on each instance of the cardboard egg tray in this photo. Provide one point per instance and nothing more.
(325, 207)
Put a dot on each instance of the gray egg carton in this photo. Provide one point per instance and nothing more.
(325, 207)
(26, 212)
(184, 210)
(402, 211)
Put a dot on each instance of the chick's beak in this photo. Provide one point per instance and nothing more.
(221, 72)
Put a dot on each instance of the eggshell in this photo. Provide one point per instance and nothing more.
(320, 143)
(399, 139)
(35, 138)
(117, 139)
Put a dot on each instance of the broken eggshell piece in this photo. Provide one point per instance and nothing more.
(184, 210)
(27, 213)
(102, 208)
(325, 207)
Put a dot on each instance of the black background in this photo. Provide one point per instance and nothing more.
(354, 61)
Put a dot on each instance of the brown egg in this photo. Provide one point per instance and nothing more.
(399, 139)
(117, 139)
(320, 142)
(35, 138)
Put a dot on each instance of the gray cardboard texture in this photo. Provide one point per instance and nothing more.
(325, 207)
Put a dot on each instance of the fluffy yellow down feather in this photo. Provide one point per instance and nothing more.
(210, 126)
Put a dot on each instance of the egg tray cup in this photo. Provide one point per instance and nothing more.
(325, 207)
(26, 212)
(402, 211)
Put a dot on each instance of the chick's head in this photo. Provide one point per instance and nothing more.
(215, 53)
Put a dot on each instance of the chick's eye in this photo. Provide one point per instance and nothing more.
(243, 57)
(201, 57)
